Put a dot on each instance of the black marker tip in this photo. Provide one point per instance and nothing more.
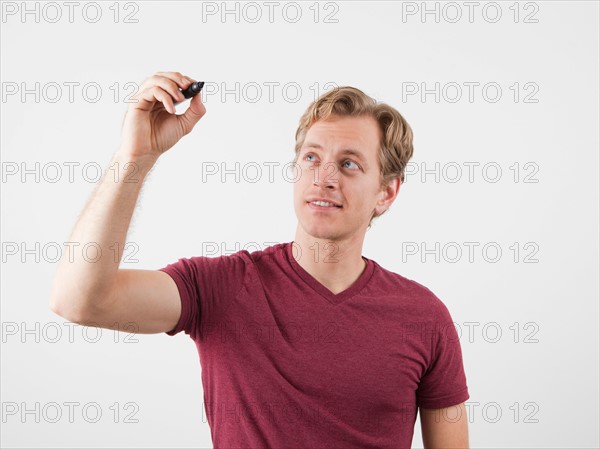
(193, 89)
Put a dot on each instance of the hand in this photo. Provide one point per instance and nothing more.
(151, 125)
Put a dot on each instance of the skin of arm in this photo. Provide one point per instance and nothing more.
(83, 282)
(89, 287)
(445, 428)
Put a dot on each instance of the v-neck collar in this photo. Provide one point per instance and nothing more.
(320, 288)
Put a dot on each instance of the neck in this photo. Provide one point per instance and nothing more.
(335, 263)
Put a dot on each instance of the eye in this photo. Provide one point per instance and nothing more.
(307, 155)
(352, 162)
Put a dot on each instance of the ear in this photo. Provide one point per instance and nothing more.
(388, 195)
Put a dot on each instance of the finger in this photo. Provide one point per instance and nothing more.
(150, 96)
(190, 81)
(167, 85)
(181, 80)
(193, 114)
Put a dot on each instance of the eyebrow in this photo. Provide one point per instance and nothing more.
(351, 151)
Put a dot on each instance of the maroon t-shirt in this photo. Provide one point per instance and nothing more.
(286, 363)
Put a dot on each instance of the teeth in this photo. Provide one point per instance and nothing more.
(323, 203)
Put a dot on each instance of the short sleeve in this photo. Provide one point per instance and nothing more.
(205, 285)
(444, 382)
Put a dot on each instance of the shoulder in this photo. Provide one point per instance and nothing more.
(239, 261)
(270, 254)
(402, 282)
(410, 289)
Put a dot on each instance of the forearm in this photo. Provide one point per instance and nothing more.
(85, 282)
(86, 274)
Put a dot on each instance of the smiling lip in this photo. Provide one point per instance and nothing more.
(324, 200)
(322, 208)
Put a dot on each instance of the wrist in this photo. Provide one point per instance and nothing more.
(140, 164)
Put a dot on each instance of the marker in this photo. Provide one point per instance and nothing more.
(193, 89)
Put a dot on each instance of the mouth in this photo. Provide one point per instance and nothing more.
(323, 206)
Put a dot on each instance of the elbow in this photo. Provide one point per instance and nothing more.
(69, 312)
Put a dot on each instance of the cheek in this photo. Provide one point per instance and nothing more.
(304, 174)
(299, 188)
(302, 178)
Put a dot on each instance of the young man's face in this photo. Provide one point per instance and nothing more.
(350, 180)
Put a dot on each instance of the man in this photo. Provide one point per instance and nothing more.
(306, 344)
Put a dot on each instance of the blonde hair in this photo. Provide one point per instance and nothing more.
(396, 145)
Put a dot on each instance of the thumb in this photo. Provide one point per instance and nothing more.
(193, 114)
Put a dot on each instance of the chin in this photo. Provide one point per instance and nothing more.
(322, 231)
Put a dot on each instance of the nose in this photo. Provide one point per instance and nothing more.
(325, 175)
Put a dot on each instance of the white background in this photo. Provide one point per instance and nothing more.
(543, 379)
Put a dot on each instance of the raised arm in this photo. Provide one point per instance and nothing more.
(92, 290)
